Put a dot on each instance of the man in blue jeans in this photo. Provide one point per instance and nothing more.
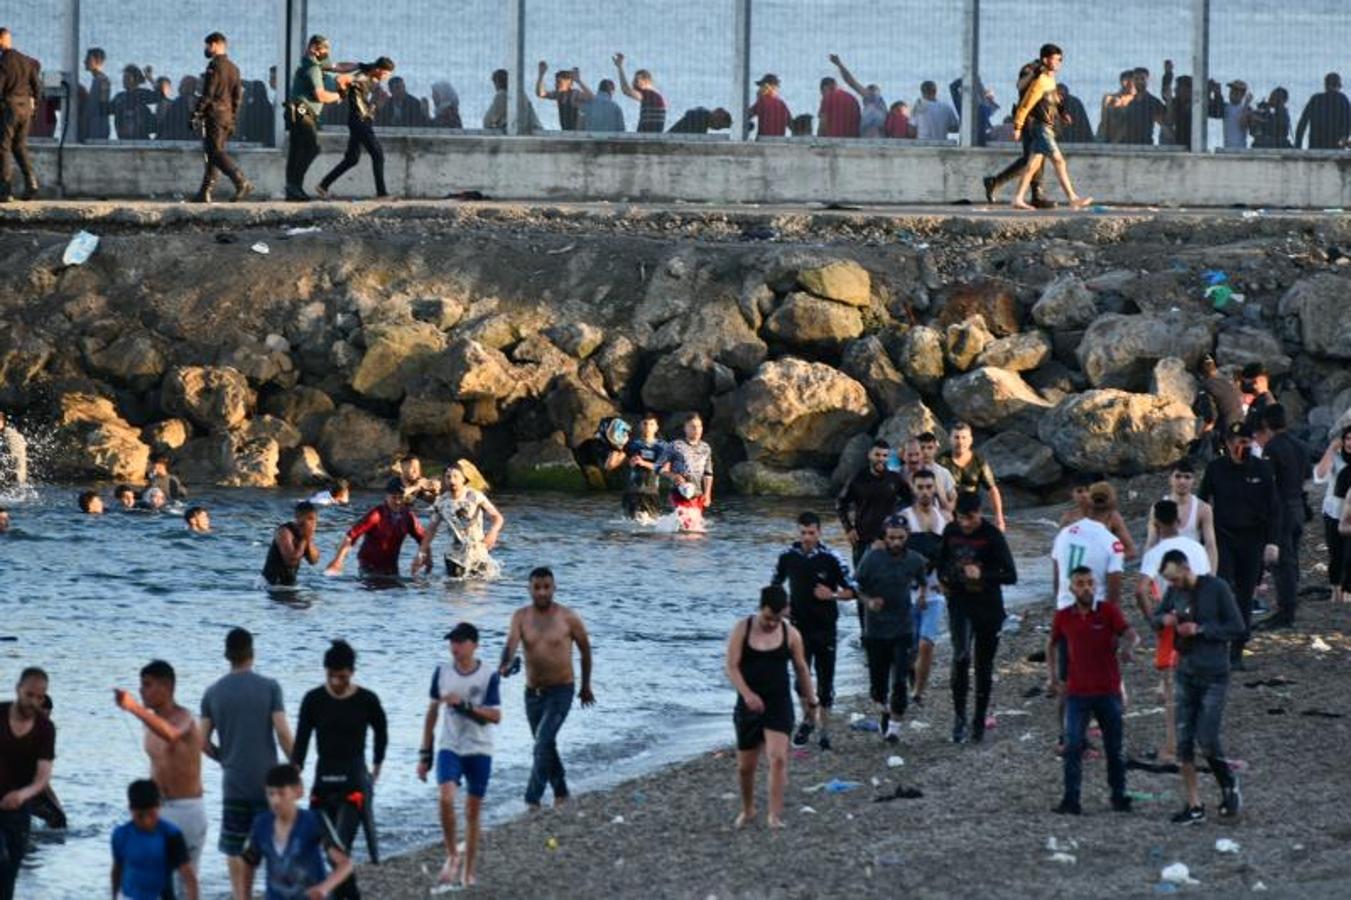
(1206, 617)
(548, 631)
(1095, 633)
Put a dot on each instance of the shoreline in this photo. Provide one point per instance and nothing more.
(669, 833)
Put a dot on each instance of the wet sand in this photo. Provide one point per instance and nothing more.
(984, 821)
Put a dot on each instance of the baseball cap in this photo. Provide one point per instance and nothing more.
(1254, 369)
(1238, 83)
(769, 78)
(394, 486)
(463, 632)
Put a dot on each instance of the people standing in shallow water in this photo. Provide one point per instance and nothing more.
(462, 509)
(382, 532)
(153, 499)
(693, 492)
(338, 493)
(759, 653)
(292, 544)
(27, 749)
(647, 456)
(159, 476)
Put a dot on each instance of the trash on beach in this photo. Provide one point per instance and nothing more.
(894, 762)
(1054, 845)
(836, 786)
(1145, 796)
(80, 248)
(617, 820)
(558, 251)
(1027, 736)
(1253, 213)
(308, 229)
(1319, 645)
(918, 725)
(901, 793)
(1014, 712)
(807, 810)
(1165, 887)
(727, 796)
(1067, 859)
(1259, 886)
(876, 782)
(1225, 845)
(865, 725)
(1177, 873)
(262, 248)
(1152, 711)
(551, 843)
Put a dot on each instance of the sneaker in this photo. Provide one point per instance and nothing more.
(1232, 804)
(884, 723)
(959, 732)
(1066, 808)
(242, 191)
(804, 731)
(1190, 816)
(978, 732)
(893, 735)
(824, 742)
(1043, 203)
(989, 188)
(1123, 804)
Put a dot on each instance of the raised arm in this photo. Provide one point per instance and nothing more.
(584, 93)
(152, 720)
(540, 92)
(848, 76)
(624, 87)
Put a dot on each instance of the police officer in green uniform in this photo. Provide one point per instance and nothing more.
(311, 88)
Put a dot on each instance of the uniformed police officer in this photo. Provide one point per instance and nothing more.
(20, 88)
(1290, 464)
(215, 115)
(311, 88)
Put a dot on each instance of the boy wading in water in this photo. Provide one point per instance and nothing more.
(1039, 111)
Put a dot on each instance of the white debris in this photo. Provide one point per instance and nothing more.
(1177, 873)
(1225, 845)
(1067, 859)
(894, 762)
(262, 248)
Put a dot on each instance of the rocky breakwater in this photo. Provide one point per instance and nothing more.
(1066, 346)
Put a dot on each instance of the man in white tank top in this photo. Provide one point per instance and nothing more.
(1196, 520)
(926, 522)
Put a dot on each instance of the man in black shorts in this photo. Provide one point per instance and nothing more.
(758, 654)
(817, 578)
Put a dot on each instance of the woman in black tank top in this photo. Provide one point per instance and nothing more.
(764, 708)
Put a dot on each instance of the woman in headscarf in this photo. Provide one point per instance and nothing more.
(446, 106)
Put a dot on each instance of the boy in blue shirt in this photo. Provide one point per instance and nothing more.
(296, 871)
(147, 851)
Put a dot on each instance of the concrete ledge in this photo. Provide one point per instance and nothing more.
(551, 167)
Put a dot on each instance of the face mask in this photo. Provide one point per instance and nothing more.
(207, 53)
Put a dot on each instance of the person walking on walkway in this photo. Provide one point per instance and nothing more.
(361, 126)
(1039, 111)
(216, 114)
(311, 88)
(20, 90)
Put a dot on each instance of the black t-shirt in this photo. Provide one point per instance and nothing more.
(340, 729)
(804, 571)
(1343, 483)
(19, 756)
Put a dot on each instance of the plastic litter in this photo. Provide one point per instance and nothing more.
(807, 810)
(1319, 645)
(1146, 796)
(617, 820)
(309, 229)
(262, 248)
(1214, 276)
(1177, 873)
(1067, 859)
(551, 843)
(1225, 845)
(80, 248)
(1054, 845)
(918, 725)
(836, 786)
(865, 725)
(1259, 886)
(894, 762)
(1165, 887)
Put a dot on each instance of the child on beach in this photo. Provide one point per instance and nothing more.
(147, 851)
(466, 695)
(289, 842)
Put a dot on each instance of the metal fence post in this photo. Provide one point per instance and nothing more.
(72, 62)
(518, 118)
(741, 73)
(1200, 73)
(970, 71)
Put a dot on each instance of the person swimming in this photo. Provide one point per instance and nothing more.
(125, 496)
(462, 509)
(338, 493)
(153, 499)
(198, 520)
(91, 504)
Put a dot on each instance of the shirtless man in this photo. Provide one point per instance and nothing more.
(926, 521)
(548, 630)
(1082, 508)
(174, 744)
(1195, 518)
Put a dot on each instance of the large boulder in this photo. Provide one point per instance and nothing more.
(921, 358)
(537, 363)
(545, 465)
(806, 322)
(250, 462)
(577, 339)
(991, 299)
(576, 410)
(474, 371)
(865, 360)
(1065, 304)
(1239, 345)
(995, 399)
(1119, 351)
(852, 459)
(1318, 307)
(395, 355)
(618, 360)
(260, 361)
(94, 442)
(1020, 459)
(168, 435)
(757, 479)
(304, 407)
(843, 281)
(358, 446)
(442, 313)
(270, 428)
(303, 467)
(1017, 352)
(795, 413)
(964, 341)
(135, 359)
(1118, 432)
(910, 421)
(1171, 381)
(679, 381)
(216, 399)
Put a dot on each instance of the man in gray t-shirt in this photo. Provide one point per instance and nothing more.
(245, 710)
(885, 578)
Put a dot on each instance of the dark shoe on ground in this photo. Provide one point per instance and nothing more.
(990, 187)
(1122, 804)
(1066, 808)
(31, 193)
(1232, 804)
(804, 731)
(1043, 203)
(1274, 621)
(959, 732)
(296, 195)
(242, 191)
(824, 742)
(1191, 815)
(321, 192)
(978, 730)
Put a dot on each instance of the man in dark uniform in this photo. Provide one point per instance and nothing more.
(217, 111)
(20, 88)
(1289, 461)
(1242, 492)
(311, 88)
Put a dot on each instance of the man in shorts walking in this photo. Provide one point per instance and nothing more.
(466, 696)
(1039, 111)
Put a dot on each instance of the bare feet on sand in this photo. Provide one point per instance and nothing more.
(1021, 204)
(450, 871)
(745, 819)
(775, 822)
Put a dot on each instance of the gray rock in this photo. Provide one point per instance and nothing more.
(911, 420)
(169, 435)
(269, 428)
(257, 362)
(759, 480)
(806, 322)
(395, 355)
(1239, 345)
(538, 363)
(1171, 381)
(213, 398)
(1120, 351)
(755, 301)
(576, 410)
(304, 407)
(995, 399)
(303, 467)
(921, 358)
(964, 341)
(577, 339)
(679, 381)
(475, 371)
(1053, 380)
(1065, 304)
(992, 299)
(795, 413)
(1319, 304)
(1020, 459)
(852, 459)
(545, 465)
(618, 361)
(249, 462)
(359, 446)
(865, 360)
(93, 442)
(442, 313)
(1118, 432)
(135, 359)
(843, 281)
(1017, 352)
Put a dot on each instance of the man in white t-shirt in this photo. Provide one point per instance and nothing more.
(934, 119)
(1150, 589)
(466, 696)
(947, 485)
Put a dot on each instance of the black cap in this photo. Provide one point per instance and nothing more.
(769, 79)
(394, 486)
(462, 632)
(1254, 370)
(1239, 429)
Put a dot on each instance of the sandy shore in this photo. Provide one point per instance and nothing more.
(984, 821)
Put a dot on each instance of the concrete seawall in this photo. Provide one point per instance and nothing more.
(554, 167)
